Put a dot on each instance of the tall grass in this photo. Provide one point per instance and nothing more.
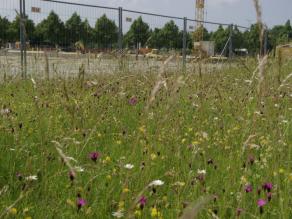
(209, 136)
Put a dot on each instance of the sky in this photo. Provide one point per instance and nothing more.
(240, 12)
(227, 11)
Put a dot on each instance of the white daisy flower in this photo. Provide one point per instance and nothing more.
(31, 178)
(129, 166)
(156, 183)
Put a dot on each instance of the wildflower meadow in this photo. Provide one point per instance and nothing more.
(151, 145)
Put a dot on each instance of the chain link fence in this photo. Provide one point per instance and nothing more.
(47, 37)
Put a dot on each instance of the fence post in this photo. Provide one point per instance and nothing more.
(230, 41)
(120, 39)
(266, 42)
(24, 38)
(21, 37)
(184, 52)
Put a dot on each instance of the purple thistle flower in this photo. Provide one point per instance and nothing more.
(133, 101)
(94, 156)
(80, 203)
(248, 188)
(267, 186)
(261, 203)
(142, 201)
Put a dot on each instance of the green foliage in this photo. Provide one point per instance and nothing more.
(139, 33)
(51, 30)
(106, 32)
(14, 29)
(220, 36)
(202, 136)
(5, 36)
(170, 35)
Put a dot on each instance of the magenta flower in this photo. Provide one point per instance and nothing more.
(80, 203)
(268, 186)
(248, 188)
(261, 203)
(94, 156)
(142, 201)
(133, 101)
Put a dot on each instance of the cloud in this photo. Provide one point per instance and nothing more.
(218, 2)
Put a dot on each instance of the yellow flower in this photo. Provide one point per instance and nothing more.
(126, 190)
(13, 211)
(142, 129)
(183, 140)
(154, 212)
(106, 160)
(153, 156)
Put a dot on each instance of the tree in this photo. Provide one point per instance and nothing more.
(74, 29)
(51, 30)
(220, 37)
(87, 33)
(155, 40)
(4, 34)
(14, 30)
(106, 32)
(139, 33)
(170, 35)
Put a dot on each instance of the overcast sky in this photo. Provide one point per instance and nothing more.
(239, 12)
(227, 11)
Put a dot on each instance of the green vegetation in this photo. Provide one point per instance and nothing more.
(54, 32)
(85, 149)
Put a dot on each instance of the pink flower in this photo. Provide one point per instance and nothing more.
(133, 101)
(248, 188)
(268, 186)
(80, 203)
(94, 156)
(262, 203)
(142, 201)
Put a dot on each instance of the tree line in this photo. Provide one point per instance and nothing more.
(52, 31)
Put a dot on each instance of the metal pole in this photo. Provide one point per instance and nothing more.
(184, 52)
(24, 37)
(21, 37)
(230, 41)
(266, 42)
(120, 39)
